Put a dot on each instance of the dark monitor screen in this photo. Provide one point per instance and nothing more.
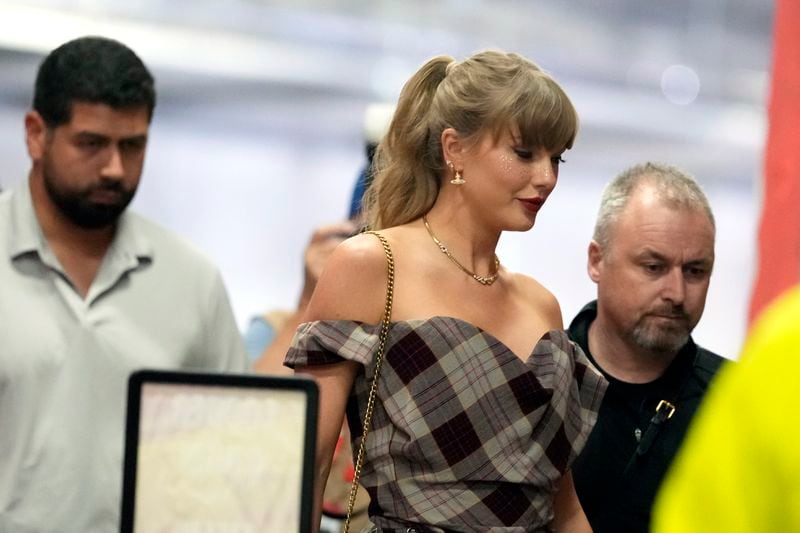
(218, 453)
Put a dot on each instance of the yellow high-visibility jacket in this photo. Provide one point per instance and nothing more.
(739, 468)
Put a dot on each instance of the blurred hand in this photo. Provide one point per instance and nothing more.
(323, 241)
(319, 248)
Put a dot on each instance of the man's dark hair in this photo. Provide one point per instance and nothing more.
(94, 70)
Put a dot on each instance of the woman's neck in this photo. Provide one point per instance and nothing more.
(471, 242)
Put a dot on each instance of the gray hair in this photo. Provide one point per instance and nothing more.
(673, 186)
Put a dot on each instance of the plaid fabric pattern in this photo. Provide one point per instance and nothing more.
(465, 435)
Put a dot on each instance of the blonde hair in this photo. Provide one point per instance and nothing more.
(486, 93)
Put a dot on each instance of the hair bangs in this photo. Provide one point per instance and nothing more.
(543, 116)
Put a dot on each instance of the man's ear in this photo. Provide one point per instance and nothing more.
(595, 261)
(35, 135)
(453, 147)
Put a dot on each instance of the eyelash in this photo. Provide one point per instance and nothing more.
(525, 154)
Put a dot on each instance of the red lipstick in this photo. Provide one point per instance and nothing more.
(532, 204)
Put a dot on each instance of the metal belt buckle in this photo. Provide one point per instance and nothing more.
(667, 406)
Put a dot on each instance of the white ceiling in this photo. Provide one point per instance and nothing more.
(308, 67)
(257, 133)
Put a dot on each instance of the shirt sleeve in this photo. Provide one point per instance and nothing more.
(258, 336)
(223, 347)
(332, 341)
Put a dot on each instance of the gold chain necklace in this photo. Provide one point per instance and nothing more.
(483, 280)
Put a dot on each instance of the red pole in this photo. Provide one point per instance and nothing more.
(779, 229)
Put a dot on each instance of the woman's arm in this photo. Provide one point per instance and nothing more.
(569, 516)
(351, 287)
(334, 382)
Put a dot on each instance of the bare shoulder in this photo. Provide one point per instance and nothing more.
(353, 283)
(545, 303)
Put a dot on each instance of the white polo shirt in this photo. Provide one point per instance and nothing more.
(64, 361)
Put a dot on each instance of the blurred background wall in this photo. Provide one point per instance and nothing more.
(257, 136)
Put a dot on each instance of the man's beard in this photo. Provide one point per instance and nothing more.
(665, 338)
(77, 206)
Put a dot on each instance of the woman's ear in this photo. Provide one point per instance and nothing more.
(452, 147)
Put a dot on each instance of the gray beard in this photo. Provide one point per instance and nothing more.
(660, 342)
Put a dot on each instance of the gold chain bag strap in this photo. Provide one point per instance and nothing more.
(384, 334)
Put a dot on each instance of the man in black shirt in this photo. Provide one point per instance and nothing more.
(651, 257)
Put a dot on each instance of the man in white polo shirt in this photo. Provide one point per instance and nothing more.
(90, 292)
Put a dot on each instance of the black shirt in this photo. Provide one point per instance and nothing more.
(615, 486)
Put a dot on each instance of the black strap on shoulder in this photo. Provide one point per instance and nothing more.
(704, 366)
(664, 411)
(708, 363)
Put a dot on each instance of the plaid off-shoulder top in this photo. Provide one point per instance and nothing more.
(465, 436)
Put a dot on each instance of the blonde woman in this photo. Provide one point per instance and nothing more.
(482, 402)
